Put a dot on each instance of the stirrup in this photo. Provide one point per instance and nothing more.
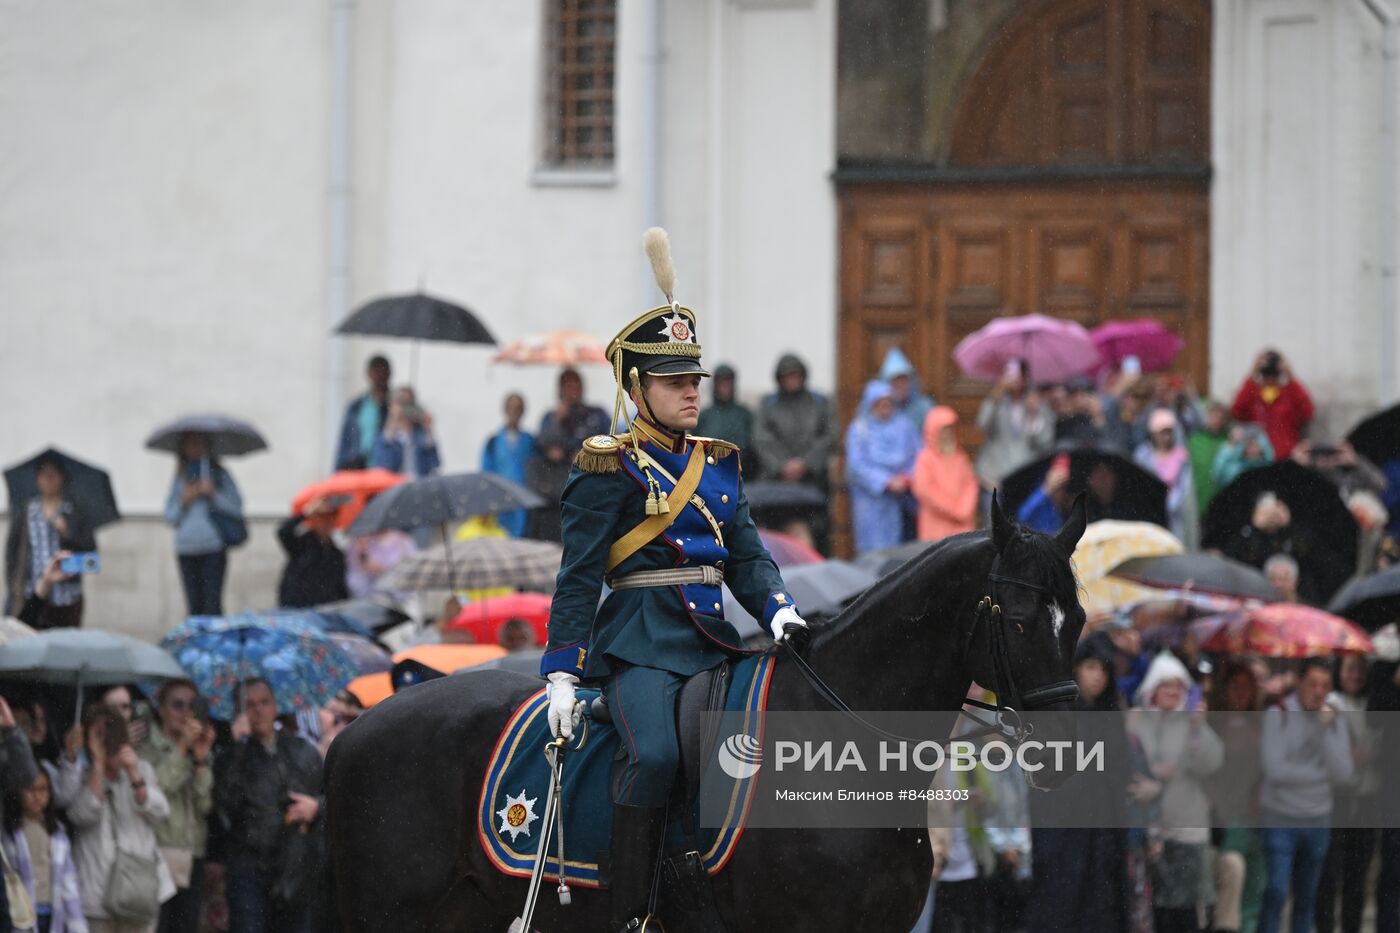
(647, 924)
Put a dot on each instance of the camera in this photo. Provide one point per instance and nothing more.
(81, 562)
(1272, 365)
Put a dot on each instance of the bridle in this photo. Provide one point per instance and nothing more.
(1011, 701)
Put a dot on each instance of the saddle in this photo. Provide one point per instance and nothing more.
(517, 781)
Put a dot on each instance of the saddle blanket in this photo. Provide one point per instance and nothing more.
(516, 786)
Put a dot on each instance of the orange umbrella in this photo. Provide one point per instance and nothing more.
(555, 348)
(1281, 630)
(373, 688)
(450, 657)
(485, 617)
(358, 485)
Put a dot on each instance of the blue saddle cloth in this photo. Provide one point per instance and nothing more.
(513, 794)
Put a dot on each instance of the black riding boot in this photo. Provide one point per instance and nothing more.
(636, 840)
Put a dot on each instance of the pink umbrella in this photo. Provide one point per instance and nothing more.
(1145, 338)
(1281, 630)
(1054, 350)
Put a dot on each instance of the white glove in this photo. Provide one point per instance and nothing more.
(782, 617)
(562, 715)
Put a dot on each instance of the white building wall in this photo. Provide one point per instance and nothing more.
(1295, 249)
(164, 226)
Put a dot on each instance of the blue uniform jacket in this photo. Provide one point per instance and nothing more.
(675, 628)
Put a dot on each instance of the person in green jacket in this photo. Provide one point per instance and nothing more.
(727, 418)
(1204, 444)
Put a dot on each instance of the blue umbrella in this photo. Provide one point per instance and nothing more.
(301, 662)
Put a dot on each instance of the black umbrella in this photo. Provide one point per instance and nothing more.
(87, 487)
(1315, 504)
(817, 589)
(1378, 437)
(1205, 573)
(417, 317)
(1372, 601)
(228, 437)
(437, 500)
(1138, 496)
(772, 494)
(887, 560)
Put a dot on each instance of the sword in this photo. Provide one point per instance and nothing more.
(553, 815)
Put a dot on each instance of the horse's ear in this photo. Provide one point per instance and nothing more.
(1001, 525)
(1068, 536)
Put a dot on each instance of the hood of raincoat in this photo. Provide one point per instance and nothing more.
(875, 390)
(936, 420)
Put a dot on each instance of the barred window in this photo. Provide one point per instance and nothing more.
(581, 40)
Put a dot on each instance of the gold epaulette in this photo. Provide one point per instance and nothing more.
(720, 449)
(599, 453)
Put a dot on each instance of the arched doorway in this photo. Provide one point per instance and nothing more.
(1075, 184)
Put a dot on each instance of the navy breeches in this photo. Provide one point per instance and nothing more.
(642, 701)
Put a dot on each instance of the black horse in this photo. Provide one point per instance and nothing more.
(403, 782)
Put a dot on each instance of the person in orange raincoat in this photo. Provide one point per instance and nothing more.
(944, 483)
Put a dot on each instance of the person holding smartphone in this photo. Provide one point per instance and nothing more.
(180, 751)
(1018, 426)
(407, 444)
(206, 511)
(40, 528)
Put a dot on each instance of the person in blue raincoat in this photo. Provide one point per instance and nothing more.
(909, 397)
(662, 517)
(881, 447)
(506, 453)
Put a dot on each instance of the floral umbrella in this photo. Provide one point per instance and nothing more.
(302, 663)
(1281, 630)
(1105, 545)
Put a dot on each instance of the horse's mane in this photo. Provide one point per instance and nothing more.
(948, 563)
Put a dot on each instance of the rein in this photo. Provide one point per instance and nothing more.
(1011, 702)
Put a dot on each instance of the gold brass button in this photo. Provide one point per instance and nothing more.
(724, 498)
(710, 461)
(692, 605)
(717, 607)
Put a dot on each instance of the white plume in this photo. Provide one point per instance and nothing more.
(658, 249)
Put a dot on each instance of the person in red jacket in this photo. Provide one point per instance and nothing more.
(1273, 399)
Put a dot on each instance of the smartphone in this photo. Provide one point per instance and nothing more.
(81, 562)
(1132, 366)
(1060, 463)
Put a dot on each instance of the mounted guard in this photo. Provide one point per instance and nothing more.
(661, 517)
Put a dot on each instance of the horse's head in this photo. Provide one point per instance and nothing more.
(1032, 624)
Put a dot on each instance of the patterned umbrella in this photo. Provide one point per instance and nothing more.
(1054, 350)
(1107, 544)
(477, 564)
(788, 551)
(1281, 630)
(1145, 338)
(302, 663)
(556, 348)
(359, 485)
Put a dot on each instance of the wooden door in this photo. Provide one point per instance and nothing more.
(1077, 187)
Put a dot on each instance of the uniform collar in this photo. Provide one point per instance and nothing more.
(649, 431)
